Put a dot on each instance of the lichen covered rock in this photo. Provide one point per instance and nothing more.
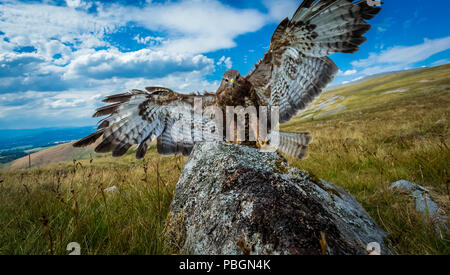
(237, 200)
(425, 204)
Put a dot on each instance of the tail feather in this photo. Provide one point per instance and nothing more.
(295, 144)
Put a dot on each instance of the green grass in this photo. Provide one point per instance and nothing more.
(378, 139)
(44, 209)
(381, 138)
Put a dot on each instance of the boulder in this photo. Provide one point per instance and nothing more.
(424, 203)
(235, 200)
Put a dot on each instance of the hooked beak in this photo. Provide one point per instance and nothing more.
(232, 82)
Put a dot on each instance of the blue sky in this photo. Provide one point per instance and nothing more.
(59, 58)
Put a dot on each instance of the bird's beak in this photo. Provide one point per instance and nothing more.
(232, 82)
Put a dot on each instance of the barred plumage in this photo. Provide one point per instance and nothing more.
(290, 75)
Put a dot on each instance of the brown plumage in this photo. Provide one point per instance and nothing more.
(289, 76)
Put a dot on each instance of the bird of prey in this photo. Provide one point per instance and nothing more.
(290, 75)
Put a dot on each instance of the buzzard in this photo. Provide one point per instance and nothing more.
(289, 76)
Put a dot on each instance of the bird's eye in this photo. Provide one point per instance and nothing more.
(226, 80)
(237, 77)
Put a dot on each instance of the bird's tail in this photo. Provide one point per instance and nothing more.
(295, 144)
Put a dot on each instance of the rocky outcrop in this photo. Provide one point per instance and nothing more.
(424, 203)
(237, 200)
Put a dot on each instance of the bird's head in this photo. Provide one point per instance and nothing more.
(230, 79)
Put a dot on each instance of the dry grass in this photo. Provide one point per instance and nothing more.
(44, 209)
(59, 153)
(382, 138)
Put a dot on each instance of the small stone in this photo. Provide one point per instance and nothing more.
(111, 189)
(406, 185)
(423, 202)
(440, 121)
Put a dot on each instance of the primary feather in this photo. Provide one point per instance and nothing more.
(296, 68)
(290, 75)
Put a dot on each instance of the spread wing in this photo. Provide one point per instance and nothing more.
(296, 68)
(140, 117)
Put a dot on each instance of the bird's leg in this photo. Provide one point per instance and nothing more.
(235, 138)
(235, 141)
(230, 130)
(264, 145)
(261, 144)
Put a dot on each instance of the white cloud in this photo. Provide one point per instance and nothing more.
(440, 62)
(148, 40)
(78, 4)
(106, 64)
(74, 59)
(347, 73)
(398, 58)
(18, 64)
(353, 80)
(60, 108)
(280, 9)
(402, 56)
(226, 62)
(199, 26)
(37, 23)
(74, 107)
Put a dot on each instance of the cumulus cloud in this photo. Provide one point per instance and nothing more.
(148, 40)
(38, 23)
(347, 73)
(144, 63)
(74, 58)
(22, 64)
(74, 107)
(440, 62)
(401, 57)
(226, 62)
(280, 9)
(185, 22)
(61, 109)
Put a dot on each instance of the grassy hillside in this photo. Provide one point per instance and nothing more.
(55, 154)
(366, 136)
(17, 143)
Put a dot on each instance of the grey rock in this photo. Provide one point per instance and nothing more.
(423, 202)
(112, 189)
(233, 200)
(406, 185)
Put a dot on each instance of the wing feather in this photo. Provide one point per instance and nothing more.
(296, 68)
(138, 118)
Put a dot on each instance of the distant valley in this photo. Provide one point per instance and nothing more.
(15, 144)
